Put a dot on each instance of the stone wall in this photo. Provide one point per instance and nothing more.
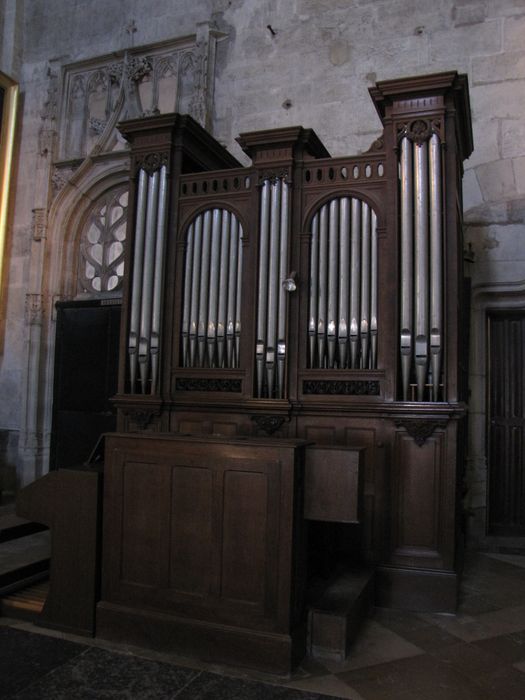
(278, 63)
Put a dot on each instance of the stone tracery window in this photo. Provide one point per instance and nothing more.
(102, 244)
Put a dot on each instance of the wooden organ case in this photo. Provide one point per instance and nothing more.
(292, 354)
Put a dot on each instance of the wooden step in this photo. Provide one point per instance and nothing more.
(26, 604)
(336, 612)
(13, 527)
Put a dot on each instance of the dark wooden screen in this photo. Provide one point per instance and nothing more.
(506, 423)
(86, 360)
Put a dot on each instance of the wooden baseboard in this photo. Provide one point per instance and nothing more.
(213, 643)
(417, 589)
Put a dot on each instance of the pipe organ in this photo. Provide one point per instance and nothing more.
(292, 332)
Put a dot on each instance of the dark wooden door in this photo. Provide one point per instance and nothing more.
(506, 418)
(86, 360)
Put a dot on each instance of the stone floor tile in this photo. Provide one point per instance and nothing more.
(209, 686)
(375, 644)
(329, 685)
(509, 647)
(420, 677)
(473, 628)
(102, 674)
(412, 627)
(24, 658)
(471, 661)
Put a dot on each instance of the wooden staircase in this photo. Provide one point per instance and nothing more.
(24, 566)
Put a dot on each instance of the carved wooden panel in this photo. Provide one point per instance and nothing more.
(201, 527)
(192, 524)
(418, 484)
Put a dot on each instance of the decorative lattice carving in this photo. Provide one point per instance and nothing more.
(206, 384)
(351, 387)
(102, 244)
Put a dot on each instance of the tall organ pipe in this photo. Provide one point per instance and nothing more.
(158, 278)
(235, 252)
(333, 267)
(211, 332)
(355, 277)
(314, 289)
(343, 285)
(344, 269)
(273, 280)
(373, 293)
(147, 280)
(365, 284)
(323, 284)
(204, 297)
(138, 268)
(186, 360)
(195, 289)
(407, 254)
(421, 265)
(262, 291)
(282, 303)
(436, 266)
(211, 305)
(223, 287)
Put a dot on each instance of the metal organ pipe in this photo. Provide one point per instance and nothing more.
(421, 333)
(343, 285)
(211, 304)
(273, 280)
(138, 268)
(204, 297)
(365, 284)
(314, 287)
(282, 303)
(344, 268)
(407, 253)
(187, 296)
(271, 301)
(158, 278)
(333, 268)
(235, 264)
(373, 292)
(323, 285)
(421, 290)
(262, 292)
(147, 280)
(223, 285)
(436, 266)
(355, 285)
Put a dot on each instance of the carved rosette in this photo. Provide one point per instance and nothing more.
(419, 429)
(419, 130)
(150, 162)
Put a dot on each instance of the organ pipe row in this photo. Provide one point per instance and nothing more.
(211, 315)
(421, 337)
(146, 294)
(271, 296)
(342, 326)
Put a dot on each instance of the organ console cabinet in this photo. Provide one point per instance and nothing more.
(292, 331)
